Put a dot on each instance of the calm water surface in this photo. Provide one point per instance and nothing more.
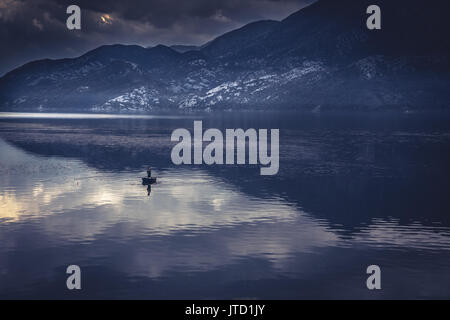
(352, 191)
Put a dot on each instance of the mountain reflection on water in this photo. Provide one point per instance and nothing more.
(352, 191)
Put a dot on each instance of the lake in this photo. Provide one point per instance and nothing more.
(352, 190)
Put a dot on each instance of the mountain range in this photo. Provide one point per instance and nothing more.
(320, 57)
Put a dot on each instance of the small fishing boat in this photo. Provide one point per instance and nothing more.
(148, 180)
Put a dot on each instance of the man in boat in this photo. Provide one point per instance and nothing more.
(149, 172)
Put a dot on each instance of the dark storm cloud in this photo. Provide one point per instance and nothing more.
(36, 29)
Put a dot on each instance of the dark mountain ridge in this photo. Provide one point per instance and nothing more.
(320, 57)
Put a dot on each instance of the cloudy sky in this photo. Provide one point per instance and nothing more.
(35, 29)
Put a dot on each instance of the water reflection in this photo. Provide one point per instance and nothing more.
(184, 200)
(220, 230)
(30, 115)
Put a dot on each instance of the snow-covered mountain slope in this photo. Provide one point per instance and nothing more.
(322, 56)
